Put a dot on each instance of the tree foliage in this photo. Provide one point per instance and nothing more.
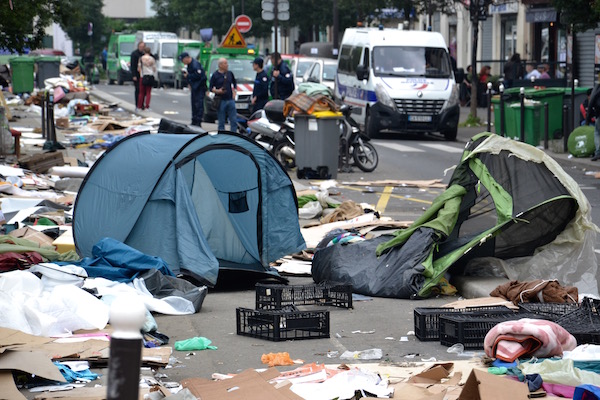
(81, 13)
(17, 28)
(582, 14)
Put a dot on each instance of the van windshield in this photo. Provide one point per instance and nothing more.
(126, 48)
(409, 61)
(240, 67)
(168, 50)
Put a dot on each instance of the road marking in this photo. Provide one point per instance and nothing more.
(395, 196)
(597, 251)
(383, 200)
(443, 147)
(119, 93)
(176, 93)
(399, 147)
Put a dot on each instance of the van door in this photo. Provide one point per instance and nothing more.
(348, 86)
(112, 60)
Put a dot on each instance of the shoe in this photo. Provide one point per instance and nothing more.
(596, 157)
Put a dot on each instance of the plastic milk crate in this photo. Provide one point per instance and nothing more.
(286, 324)
(427, 325)
(275, 297)
(549, 311)
(470, 330)
(584, 322)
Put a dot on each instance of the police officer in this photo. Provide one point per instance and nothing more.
(196, 78)
(260, 94)
(282, 80)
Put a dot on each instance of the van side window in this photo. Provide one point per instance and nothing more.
(344, 63)
(355, 58)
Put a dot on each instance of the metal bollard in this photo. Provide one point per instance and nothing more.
(502, 122)
(127, 315)
(522, 131)
(565, 127)
(489, 106)
(546, 125)
(43, 105)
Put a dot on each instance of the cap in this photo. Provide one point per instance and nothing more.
(183, 55)
(258, 61)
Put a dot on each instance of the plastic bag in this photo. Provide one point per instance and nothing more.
(311, 210)
(369, 354)
(274, 359)
(195, 343)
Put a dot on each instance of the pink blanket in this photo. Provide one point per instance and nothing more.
(510, 340)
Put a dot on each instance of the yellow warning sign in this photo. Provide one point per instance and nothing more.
(233, 38)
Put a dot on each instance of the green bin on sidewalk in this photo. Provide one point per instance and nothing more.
(22, 74)
(554, 98)
(533, 124)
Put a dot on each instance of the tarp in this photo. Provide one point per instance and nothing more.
(199, 202)
(507, 200)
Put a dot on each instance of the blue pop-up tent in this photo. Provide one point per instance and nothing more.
(200, 202)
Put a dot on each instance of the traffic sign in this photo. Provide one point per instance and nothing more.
(283, 15)
(233, 39)
(267, 15)
(243, 23)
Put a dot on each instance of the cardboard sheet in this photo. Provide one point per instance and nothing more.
(248, 385)
(8, 389)
(32, 362)
(313, 235)
(482, 302)
(85, 393)
(484, 386)
(431, 183)
(13, 339)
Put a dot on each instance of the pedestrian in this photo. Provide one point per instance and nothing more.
(465, 88)
(513, 70)
(196, 77)
(282, 80)
(260, 93)
(133, 63)
(147, 71)
(583, 109)
(594, 112)
(543, 72)
(532, 73)
(103, 57)
(88, 62)
(223, 84)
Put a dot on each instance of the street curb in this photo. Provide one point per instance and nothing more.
(108, 98)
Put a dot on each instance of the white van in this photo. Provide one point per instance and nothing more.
(164, 48)
(399, 80)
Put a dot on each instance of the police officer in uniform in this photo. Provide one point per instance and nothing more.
(196, 78)
(260, 94)
(282, 80)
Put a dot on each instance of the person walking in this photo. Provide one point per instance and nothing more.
(223, 84)
(196, 77)
(134, 61)
(104, 57)
(594, 112)
(282, 80)
(147, 71)
(260, 93)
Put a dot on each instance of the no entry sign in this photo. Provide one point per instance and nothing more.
(243, 23)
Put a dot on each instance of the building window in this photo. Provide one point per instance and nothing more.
(509, 36)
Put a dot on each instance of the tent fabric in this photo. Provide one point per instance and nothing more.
(506, 200)
(200, 202)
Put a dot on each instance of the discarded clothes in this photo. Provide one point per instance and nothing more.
(116, 261)
(510, 340)
(537, 291)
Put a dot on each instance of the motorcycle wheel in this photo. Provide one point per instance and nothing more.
(287, 162)
(365, 156)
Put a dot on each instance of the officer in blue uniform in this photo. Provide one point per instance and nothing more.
(260, 94)
(282, 80)
(196, 78)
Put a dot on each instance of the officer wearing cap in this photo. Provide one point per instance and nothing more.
(260, 94)
(196, 78)
(282, 80)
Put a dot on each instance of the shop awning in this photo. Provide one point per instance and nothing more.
(534, 15)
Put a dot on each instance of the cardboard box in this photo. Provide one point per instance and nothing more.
(481, 385)
(62, 122)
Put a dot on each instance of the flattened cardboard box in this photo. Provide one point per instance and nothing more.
(483, 386)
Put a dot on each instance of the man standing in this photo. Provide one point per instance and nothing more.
(260, 94)
(196, 78)
(103, 57)
(282, 80)
(223, 84)
(594, 112)
(133, 66)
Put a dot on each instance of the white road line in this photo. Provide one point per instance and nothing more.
(398, 147)
(177, 93)
(443, 147)
(597, 251)
(119, 93)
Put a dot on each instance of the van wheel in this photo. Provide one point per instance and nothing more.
(450, 134)
(120, 78)
(371, 126)
(111, 81)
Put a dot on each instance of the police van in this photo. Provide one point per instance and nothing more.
(399, 80)
(163, 46)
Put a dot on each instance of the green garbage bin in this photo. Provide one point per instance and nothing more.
(554, 98)
(47, 67)
(22, 74)
(533, 123)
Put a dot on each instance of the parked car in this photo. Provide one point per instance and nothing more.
(47, 52)
(322, 71)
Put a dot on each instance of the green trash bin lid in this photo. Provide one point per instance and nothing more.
(22, 60)
(547, 92)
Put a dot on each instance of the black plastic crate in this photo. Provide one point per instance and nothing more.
(584, 322)
(280, 325)
(275, 297)
(427, 325)
(549, 311)
(470, 330)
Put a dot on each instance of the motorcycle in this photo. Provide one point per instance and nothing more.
(271, 129)
(355, 148)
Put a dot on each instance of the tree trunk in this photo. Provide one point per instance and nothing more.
(474, 78)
